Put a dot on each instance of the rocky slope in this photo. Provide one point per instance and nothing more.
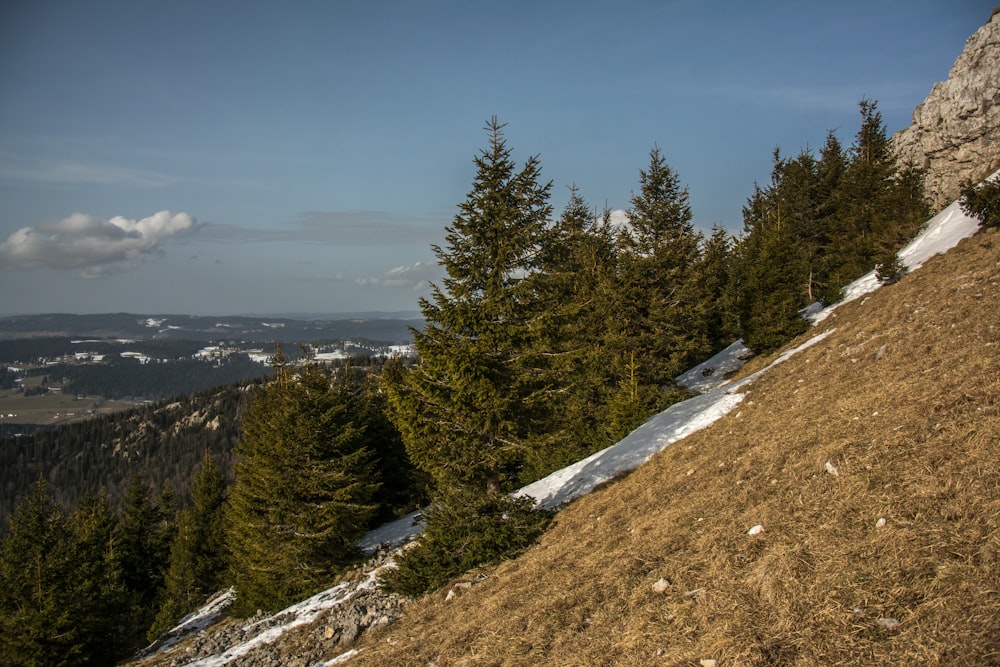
(955, 132)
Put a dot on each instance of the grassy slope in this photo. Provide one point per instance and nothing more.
(904, 399)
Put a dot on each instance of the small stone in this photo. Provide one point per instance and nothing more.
(690, 472)
(880, 523)
(756, 530)
(660, 585)
(887, 623)
(830, 468)
(708, 662)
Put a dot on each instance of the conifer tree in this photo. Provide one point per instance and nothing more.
(471, 409)
(770, 276)
(98, 593)
(713, 276)
(881, 205)
(465, 409)
(660, 310)
(303, 490)
(198, 551)
(982, 201)
(142, 541)
(37, 621)
(403, 487)
(575, 284)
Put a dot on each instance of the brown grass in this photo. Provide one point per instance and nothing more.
(903, 398)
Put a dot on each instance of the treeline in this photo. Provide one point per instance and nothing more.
(547, 341)
(118, 377)
(317, 465)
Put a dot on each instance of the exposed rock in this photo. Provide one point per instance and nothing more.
(955, 133)
(661, 585)
(329, 633)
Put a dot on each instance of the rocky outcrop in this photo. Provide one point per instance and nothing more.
(303, 635)
(955, 133)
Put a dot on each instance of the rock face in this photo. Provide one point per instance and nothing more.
(955, 133)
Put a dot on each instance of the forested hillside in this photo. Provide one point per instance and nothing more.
(547, 340)
(161, 443)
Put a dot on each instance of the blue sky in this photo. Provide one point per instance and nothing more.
(301, 157)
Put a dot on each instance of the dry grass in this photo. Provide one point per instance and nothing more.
(903, 399)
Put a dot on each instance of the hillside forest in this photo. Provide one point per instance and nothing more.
(550, 337)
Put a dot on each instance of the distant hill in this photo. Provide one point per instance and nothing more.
(371, 326)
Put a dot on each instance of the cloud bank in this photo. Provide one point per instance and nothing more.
(93, 246)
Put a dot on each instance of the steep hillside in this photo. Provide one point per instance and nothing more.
(869, 459)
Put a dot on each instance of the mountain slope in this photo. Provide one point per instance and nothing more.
(870, 460)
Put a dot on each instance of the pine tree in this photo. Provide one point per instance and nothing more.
(303, 490)
(404, 487)
(571, 353)
(659, 306)
(198, 551)
(881, 205)
(471, 410)
(982, 202)
(37, 621)
(465, 409)
(96, 588)
(713, 272)
(142, 539)
(770, 276)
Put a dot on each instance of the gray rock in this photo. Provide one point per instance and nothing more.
(955, 132)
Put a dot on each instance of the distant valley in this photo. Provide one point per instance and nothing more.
(58, 368)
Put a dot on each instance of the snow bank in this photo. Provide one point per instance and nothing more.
(941, 234)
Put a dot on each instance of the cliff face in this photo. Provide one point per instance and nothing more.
(955, 133)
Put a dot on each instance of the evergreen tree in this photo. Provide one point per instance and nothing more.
(404, 487)
(660, 303)
(770, 275)
(575, 283)
(96, 588)
(198, 551)
(303, 490)
(471, 410)
(881, 206)
(713, 272)
(830, 169)
(142, 539)
(465, 410)
(982, 202)
(38, 625)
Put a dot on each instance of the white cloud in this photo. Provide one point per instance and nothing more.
(92, 245)
(414, 277)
